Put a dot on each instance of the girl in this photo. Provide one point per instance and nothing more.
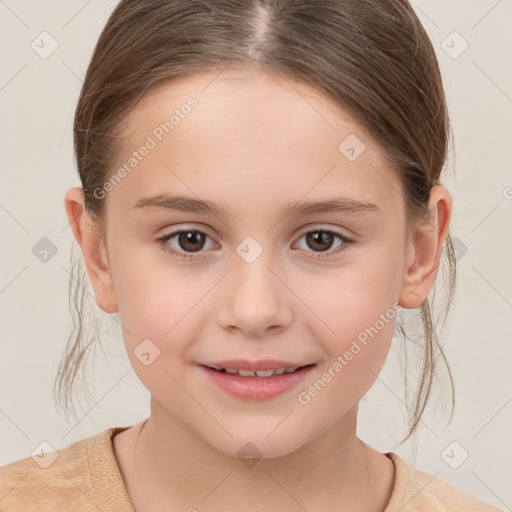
(261, 198)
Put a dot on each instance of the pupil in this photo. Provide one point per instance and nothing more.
(187, 239)
(318, 238)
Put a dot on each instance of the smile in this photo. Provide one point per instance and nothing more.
(259, 385)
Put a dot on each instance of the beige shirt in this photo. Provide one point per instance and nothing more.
(86, 477)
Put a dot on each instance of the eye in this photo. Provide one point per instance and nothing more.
(192, 241)
(320, 239)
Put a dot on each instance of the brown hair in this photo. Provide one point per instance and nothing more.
(373, 57)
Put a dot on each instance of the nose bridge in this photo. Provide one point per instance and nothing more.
(257, 299)
(252, 276)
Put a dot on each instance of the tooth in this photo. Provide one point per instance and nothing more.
(265, 373)
(261, 373)
(246, 373)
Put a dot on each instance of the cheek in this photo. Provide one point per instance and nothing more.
(347, 300)
(149, 293)
(355, 355)
(352, 315)
(155, 320)
(157, 332)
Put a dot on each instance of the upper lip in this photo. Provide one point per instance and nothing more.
(262, 365)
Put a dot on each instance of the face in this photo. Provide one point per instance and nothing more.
(253, 280)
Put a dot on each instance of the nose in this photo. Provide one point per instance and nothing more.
(257, 302)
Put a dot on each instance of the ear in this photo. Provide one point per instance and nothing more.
(425, 249)
(93, 248)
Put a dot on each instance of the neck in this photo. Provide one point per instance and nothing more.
(174, 465)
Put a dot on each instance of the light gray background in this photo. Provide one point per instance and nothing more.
(38, 97)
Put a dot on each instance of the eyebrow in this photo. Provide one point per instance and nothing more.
(192, 205)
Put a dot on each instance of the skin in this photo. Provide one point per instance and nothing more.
(252, 143)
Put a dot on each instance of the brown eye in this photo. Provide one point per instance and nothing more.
(319, 240)
(191, 240)
(186, 242)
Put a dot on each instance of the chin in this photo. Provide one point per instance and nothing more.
(255, 444)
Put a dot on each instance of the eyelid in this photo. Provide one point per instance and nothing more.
(319, 226)
(325, 226)
(187, 227)
(347, 242)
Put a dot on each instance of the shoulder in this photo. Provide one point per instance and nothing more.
(417, 491)
(83, 476)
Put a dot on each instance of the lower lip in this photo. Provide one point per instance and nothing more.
(256, 389)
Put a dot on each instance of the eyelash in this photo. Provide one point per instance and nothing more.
(162, 242)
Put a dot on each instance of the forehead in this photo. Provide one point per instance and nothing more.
(216, 133)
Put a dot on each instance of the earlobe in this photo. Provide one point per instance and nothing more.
(425, 250)
(93, 249)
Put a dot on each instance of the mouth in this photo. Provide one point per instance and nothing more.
(256, 385)
(259, 373)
